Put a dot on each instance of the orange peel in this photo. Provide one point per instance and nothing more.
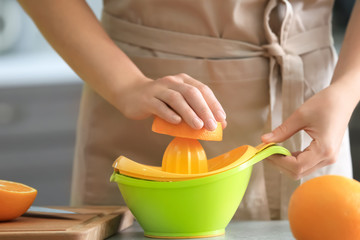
(183, 130)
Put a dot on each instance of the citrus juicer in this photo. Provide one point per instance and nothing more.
(244, 155)
(188, 196)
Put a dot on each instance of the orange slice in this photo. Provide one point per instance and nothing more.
(15, 199)
(183, 130)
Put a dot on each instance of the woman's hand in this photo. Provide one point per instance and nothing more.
(324, 117)
(172, 98)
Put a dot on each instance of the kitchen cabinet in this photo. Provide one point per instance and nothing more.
(37, 137)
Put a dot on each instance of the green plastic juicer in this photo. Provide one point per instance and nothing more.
(178, 205)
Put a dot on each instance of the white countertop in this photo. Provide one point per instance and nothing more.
(249, 230)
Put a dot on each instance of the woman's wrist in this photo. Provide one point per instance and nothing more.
(120, 95)
(347, 87)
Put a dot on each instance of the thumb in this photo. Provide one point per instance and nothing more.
(287, 129)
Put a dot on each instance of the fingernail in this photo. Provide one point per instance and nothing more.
(224, 124)
(268, 135)
(221, 115)
(211, 124)
(197, 123)
(176, 119)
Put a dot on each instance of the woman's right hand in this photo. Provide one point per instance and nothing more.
(173, 98)
(101, 64)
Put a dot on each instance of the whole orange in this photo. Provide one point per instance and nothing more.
(326, 207)
(15, 199)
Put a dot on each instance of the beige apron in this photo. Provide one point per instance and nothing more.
(262, 59)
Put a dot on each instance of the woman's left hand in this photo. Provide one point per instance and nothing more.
(324, 117)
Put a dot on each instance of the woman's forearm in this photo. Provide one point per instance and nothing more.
(75, 33)
(347, 71)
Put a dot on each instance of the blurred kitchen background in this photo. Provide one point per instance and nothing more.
(39, 101)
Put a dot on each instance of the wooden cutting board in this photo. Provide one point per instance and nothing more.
(91, 222)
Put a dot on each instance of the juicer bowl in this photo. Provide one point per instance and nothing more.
(201, 207)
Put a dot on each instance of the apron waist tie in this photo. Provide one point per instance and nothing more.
(209, 47)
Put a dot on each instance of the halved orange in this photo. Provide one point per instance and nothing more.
(183, 130)
(15, 199)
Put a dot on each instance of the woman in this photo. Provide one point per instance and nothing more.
(268, 62)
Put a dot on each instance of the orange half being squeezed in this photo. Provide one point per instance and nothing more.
(183, 130)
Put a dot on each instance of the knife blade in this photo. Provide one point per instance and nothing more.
(48, 210)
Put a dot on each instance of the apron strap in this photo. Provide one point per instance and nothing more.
(200, 46)
(183, 44)
(286, 95)
(291, 83)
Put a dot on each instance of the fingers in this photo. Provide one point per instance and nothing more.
(177, 102)
(304, 163)
(160, 109)
(224, 124)
(209, 97)
(192, 100)
(196, 101)
(288, 128)
(325, 125)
